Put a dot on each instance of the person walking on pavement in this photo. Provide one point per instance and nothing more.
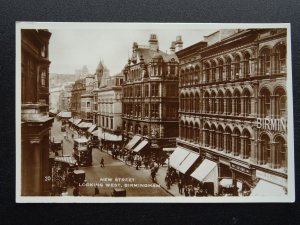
(186, 191)
(102, 162)
(180, 186)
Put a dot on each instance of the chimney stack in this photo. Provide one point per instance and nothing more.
(178, 43)
(153, 43)
(173, 46)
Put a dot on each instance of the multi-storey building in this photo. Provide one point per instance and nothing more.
(65, 97)
(233, 110)
(110, 107)
(87, 100)
(35, 124)
(150, 97)
(77, 90)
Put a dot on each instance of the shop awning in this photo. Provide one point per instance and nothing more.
(96, 133)
(140, 146)
(226, 182)
(206, 172)
(77, 121)
(64, 114)
(177, 157)
(110, 137)
(84, 125)
(65, 159)
(265, 188)
(188, 162)
(92, 128)
(133, 142)
(168, 149)
(71, 120)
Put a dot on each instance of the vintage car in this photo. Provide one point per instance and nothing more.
(79, 176)
(118, 192)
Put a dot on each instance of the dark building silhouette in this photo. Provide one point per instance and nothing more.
(35, 124)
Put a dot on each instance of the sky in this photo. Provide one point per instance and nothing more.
(72, 48)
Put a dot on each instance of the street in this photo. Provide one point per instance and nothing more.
(114, 174)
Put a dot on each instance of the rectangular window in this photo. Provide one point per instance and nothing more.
(111, 124)
(154, 110)
(88, 104)
(43, 78)
(154, 89)
(146, 110)
(146, 90)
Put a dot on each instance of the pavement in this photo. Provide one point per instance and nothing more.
(114, 168)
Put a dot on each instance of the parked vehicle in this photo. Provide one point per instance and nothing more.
(118, 192)
(79, 176)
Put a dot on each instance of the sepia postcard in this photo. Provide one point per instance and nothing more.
(154, 112)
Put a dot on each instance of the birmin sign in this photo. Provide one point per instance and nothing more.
(272, 124)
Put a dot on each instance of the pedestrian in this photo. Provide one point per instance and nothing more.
(186, 191)
(96, 190)
(102, 162)
(167, 179)
(180, 186)
(192, 191)
(153, 173)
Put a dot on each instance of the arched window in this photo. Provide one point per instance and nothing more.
(191, 102)
(265, 149)
(187, 103)
(246, 65)
(206, 72)
(247, 144)
(206, 135)
(280, 103)
(228, 68)
(280, 152)
(196, 75)
(221, 102)
(197, 103)
(182, 102)
(237, 142)
(228, 140)
(206, 101)
(237, 67)
(265, 62)
(228, 103)
(182, 78)
(213, 71)
(220, 139)
(197, 134)
(191, 76)
(213, 103)
(220, 69)
(265, 106)
(247, 103)
(280, 59)
(145, 130)
(138, 129)
(237, 103)
(191, 132)
(213, 137)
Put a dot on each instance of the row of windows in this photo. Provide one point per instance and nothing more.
(107, 122)
(239, 66)
(238, 103)
(237, 143)
(169, 110)
(171, 90)
(160, 69)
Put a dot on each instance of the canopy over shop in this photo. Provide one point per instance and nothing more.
(133, 142)
(207, 172)
(265, 188)
(140, 146)
(64, 115)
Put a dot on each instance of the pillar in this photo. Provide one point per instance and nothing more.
(242, 151)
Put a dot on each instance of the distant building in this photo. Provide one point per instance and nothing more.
(77, 90)
(87, 99)
(65, 97)
(35, 122)
(150, 97)
(54, 94)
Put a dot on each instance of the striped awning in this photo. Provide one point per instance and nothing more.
(65, 159)
(92, 128)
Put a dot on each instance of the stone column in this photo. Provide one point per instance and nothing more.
(243, 147)
(226, 142)
(274, 155)
(217, 105)
(233, 105)
(225, 106)
(233, 144)
(273, 106)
